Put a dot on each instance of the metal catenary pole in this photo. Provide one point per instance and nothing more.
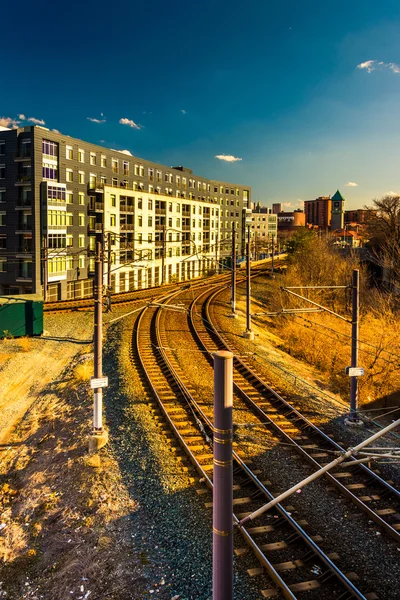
(248, 333)
(216, 254)
(223, 477)
(273, 254)
(164, 248)
(109, 261)
(233, 290)
(45, 267)
(98, 335)
(355, 314)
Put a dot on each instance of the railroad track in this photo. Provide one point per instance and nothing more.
(365, 488)
(299, 564)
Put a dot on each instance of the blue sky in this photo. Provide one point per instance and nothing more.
(275, 84)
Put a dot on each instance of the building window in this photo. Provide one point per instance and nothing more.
(70, 197)
(103, 180)
(126, 167)
(140, 238)
(81, 242)
(49, 148)
(81, 177)
(140, 203)
(113, 199)
(103, 161)
(81, 197)
(150, 204)
(81, 261)
(140, 221)
(149, 238)
(93, 158)
(2, 195)
(141, 171)
(3, 265)
(81, 219)
(49, 171)
(170, 222)
(113, 220)
(69, 153)
(70, 240)
(69, 219)
(159, 176)
(178, 222)
(81, 155)
(2, 219)
(150, 221)
(69, 175)
(3, 242)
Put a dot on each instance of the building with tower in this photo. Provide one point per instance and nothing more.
(325, 212)
(337, 215)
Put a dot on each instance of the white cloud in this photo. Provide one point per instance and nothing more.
(372, 65)
(394, 194)
(183, 111)
(287, 204)
(351, 184)
(130, 123)
(36, 121)
(227, 157)
(8, 122)
(22, 117)
(96, 120)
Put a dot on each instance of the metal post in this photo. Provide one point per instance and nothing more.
(109, 261)
(45, 267)
(273, 255)
(164, 244)
(216, 254)
(223, 477)
(98, 334)
(248, 334)
(233, 273)
(355, 312)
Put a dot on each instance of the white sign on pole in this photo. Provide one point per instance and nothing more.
(354, 371)
(100, 382)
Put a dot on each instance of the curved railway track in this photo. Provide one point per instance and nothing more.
(299, 564)
(377, 498)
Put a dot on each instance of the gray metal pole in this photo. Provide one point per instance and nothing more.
(45, 267)
(98, 335)
(223, 477)
(273, 254)
(164, 244)
(233, 291)
(109, 261)
(355, 313)
(216, 254)
(248, 333)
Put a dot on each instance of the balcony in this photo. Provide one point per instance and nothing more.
(24, 202)
(24, 227)
(22, 156)
(127, 227)
(95, 206)
(95, 228)
(129, 208)
(25, 249)
(185, 227)
(161, 211)
(23, 180)
(94, 187)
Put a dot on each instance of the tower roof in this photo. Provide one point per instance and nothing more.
(337, 196)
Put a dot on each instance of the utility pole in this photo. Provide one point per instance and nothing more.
(108, 261)
(355, 315)
(216, 254)
(164, 250)
(222, 586)
(273, 255)
(233, 314)
(248, 334)
(98, 338)
(45, 267)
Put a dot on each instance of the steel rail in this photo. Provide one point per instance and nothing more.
(251, 476)
(293, 412)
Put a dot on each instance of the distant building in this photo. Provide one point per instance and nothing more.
(360, 216)
(276, 209)
(291, 220)
(264, 227)
(325, 211)
(346, 239)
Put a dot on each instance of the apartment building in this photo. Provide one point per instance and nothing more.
(58, 195)
(264, 227)
(325, 211)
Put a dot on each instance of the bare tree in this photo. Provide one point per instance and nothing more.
(384, 236)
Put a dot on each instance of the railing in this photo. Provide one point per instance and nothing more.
(127, 208)
(22, 155)
(96, 206)
(161, 211)
(127, 227)
(24, 227)
(24, 178)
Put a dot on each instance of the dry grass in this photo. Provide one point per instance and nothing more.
(25, 344)
(84, 371)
